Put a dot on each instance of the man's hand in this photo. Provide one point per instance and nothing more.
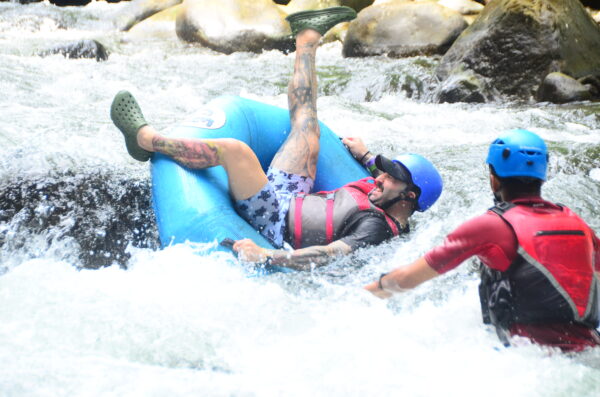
(300, 259)
(402, 278)
(378, 292)
(357, 147)
(248, 251)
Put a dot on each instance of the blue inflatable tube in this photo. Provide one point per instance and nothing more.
(194, 205)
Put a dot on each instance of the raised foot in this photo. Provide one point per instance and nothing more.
(127, 116)
(319, 20)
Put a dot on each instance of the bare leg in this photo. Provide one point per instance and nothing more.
(299, 153)
(246, 177)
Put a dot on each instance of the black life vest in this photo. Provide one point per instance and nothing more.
(319, 218)
(552, 279)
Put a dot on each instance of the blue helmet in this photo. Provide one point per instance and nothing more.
(415, 169)
(519, 153)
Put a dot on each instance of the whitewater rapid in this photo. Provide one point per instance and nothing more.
(174, 322)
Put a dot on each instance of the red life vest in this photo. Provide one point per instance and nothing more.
(552, 279)
(318, 218)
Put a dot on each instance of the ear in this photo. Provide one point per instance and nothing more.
(411, 195)
(494, 183)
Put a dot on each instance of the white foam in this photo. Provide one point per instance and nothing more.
(178, 323)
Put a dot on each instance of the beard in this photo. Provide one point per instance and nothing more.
(370, 195)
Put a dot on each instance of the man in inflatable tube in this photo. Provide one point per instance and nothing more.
(318, 226)
(540, 262)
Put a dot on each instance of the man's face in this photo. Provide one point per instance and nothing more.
(386, 189)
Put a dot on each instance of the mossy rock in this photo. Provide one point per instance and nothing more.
(515, 44)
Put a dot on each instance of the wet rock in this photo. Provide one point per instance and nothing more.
(403, 28)
(592, 83)
(464, 87)
(594, 4)
(63, 3)
(560, 88)
(138, 10)
(465, 7)
(235, 25)
(515, 44)
(102, 213)
(80, 49)
(27, 1)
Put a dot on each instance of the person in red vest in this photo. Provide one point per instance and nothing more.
(280, 203)
(540, 261)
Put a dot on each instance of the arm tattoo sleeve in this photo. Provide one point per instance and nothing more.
(305, 258)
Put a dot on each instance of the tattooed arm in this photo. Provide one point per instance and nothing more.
(300, 259)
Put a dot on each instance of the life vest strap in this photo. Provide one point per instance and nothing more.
(501, 207)
(329, 218)
(362, 200)
(298, 221)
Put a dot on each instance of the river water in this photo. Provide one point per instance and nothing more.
(171, 322)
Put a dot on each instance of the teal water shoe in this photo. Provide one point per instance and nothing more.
(319, 20)
(127, 116)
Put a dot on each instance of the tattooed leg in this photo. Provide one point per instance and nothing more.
(298, 154)
(244, 172)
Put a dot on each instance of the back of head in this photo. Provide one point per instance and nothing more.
(519, 158)
(519, 153)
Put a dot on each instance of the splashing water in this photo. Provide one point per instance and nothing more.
(174, 322)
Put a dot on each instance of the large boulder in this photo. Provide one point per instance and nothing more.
(514, 44)
(138, 10)
(403, 28)
(235, 25)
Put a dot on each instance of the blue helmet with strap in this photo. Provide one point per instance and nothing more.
(418, 171)
(425, 176)
(519, 153)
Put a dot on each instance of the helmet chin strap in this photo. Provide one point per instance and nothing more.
(400, 197)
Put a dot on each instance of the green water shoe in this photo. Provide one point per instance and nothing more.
(127, 116)
(319, 20)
